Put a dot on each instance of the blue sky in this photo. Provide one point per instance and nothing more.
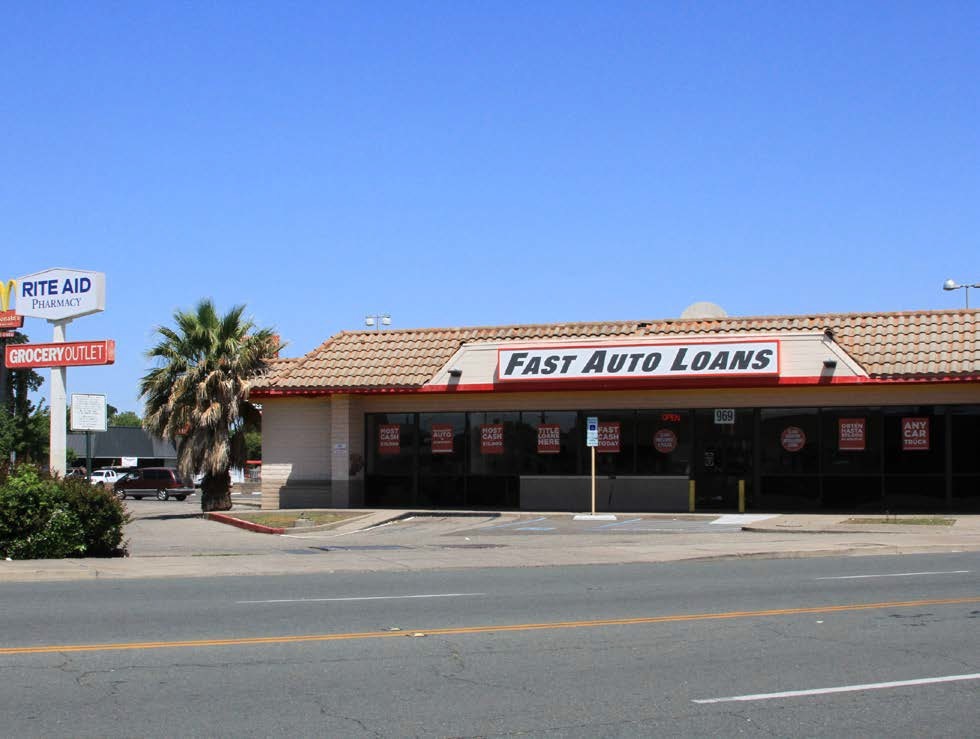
(463, 163)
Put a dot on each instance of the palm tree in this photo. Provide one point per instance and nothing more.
(197, 395)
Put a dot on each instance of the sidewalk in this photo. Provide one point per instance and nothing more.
(186, 545)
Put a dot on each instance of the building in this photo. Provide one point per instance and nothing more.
(124, 446)
(863, 411)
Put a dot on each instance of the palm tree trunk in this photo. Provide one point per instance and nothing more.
(216, 492)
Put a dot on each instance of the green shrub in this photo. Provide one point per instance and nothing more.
(45, 518)
(101, 515)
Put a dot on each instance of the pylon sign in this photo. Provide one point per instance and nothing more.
(58, 294)
(8, 316)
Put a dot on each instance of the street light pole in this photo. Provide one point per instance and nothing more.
(953, 285)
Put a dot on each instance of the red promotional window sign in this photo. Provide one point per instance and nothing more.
(64, 354)
(665, 441)
(549, 438)
(442, 438)
(851, 433)
(492, 438)
(915, 434)
(389, 438)
(792, 438)
(608, 437)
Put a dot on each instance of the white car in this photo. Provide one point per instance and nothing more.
(105, 477)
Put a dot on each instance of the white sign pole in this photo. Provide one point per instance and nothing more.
(593, 480)
(59, 381)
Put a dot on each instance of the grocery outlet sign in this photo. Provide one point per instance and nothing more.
(58, 294)
(64, 354)
(639, 361)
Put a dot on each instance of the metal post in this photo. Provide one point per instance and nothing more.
(593, 480)
(690, 496)
(59, 381)
(88, 455)
(741, 496)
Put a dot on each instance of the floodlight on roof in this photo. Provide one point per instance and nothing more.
(378, 320)
(954, 285)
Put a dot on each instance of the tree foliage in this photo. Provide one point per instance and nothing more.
(197, 394)
(126, 418)
(24, 426)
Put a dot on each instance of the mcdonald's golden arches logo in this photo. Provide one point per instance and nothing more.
(7, 289)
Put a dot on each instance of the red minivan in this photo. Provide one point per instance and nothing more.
(162, 482)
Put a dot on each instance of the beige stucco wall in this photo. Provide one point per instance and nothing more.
(295, 446)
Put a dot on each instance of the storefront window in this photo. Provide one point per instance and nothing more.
(790, 441)
(663, 442)
(442, 439)
(615, 454)
(390, 445)
(966, 457)
(550, 442)
(851, 441)
(915, 457)
(442, 459)
(789, 455)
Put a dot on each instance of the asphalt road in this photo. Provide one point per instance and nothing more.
(629, 650)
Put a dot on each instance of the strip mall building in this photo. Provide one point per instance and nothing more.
(877, 411)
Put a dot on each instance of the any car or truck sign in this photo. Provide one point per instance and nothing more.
(66, 354)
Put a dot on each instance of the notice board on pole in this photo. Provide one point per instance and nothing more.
(88, 412)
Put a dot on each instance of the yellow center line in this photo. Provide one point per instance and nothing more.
(299, 638)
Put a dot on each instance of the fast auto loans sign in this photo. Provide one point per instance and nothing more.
(59, 294)
(639, 361)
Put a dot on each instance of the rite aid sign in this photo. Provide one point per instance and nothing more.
(58, 294)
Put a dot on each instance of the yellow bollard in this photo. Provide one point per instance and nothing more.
(741, 496)
(690, 497)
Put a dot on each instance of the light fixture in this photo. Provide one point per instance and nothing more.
(455, 372)
(954, 285)
(378, 321)
(829, 363)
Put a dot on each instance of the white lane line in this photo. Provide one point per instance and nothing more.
(841, 689)
(893, 574)
(365, 597)
(617, 523)
(516, 523)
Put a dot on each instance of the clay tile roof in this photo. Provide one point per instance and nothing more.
(911, 345)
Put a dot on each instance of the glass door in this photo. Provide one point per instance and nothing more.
(723, 454)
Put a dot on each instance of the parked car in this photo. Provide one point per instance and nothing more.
(161, 482)
(105, 477)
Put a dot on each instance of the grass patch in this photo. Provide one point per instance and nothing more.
(922, 521)
(286, 519)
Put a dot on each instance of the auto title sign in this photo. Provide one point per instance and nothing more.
(639, 361)
(58, 294)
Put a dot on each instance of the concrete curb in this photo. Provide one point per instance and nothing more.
(788, 530)
(247, 525)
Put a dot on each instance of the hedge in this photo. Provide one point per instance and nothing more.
(49, 518)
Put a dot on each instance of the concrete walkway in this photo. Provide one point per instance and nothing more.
(178, 542)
